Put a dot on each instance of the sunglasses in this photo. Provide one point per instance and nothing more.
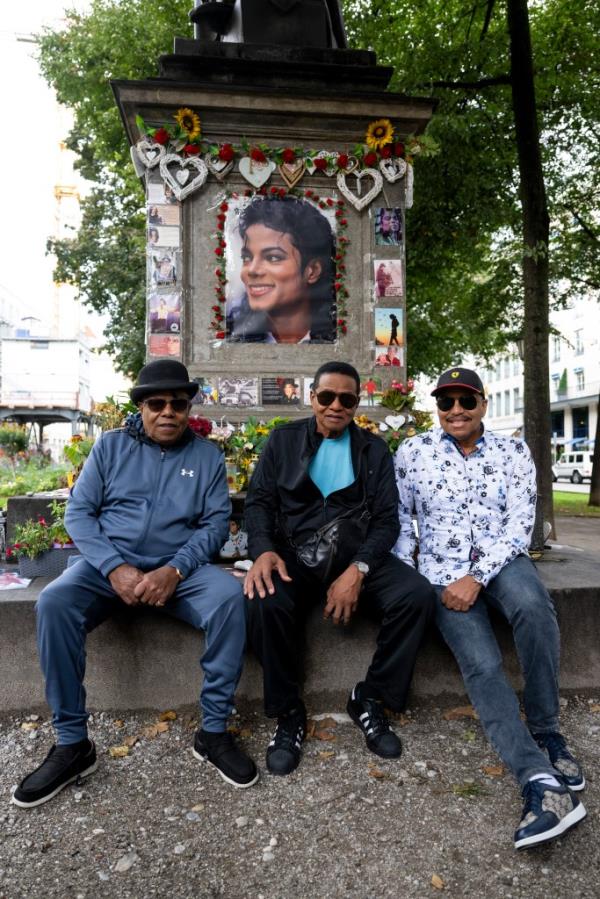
(327, 397)
(445, 403)
(157, 404)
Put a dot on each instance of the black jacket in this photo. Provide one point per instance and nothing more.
(282, 495)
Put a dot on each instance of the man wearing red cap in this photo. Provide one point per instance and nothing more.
(474, 493)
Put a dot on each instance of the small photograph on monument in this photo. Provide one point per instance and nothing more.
(281, 391)
(388, 327)
(163, 236)
(164, 313)
(280, 271)
(163, 267)
(164, 345)
(388, 278)
(307, 386)
(207, 395)
(163, 215)
(159, 193)
(388, 226)
(370, 390)
(238, 391)
(389, 355)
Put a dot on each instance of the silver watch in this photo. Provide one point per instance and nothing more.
(362, 567)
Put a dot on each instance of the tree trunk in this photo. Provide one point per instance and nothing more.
(536, 328)
(595, 485)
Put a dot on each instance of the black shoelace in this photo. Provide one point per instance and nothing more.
(288, 734)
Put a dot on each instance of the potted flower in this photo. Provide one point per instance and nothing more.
(43, 548)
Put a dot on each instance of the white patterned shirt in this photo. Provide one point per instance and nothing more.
(474, 513)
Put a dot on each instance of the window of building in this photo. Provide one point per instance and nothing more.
(498, 405)
(558, 423)
(556, 341)
(580, 422)
(579, 342)
(517, 406)
(498, 369)
(507, 402)
(491, 407)
(516, 366)
(579, 379)
(507, 368)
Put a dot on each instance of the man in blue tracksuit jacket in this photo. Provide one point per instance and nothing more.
(149, 511)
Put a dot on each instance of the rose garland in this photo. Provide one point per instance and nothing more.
(342, 241)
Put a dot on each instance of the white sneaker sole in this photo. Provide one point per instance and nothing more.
(228, 780)
(574, 817)
(579, 787)
(55, 792)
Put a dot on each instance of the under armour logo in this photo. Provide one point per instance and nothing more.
(184, 473)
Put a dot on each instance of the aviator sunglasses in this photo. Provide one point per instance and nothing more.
(327, 397)
(157, 404)
(445, 403)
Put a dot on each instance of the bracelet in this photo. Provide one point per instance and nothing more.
(178, 572)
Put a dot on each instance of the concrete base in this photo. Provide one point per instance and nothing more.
(144, 659)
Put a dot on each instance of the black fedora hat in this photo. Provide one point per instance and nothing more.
(162, 374)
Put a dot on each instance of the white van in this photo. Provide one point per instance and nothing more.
(575, 466)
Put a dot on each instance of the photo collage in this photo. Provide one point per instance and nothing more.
(282, 390)
(388, 287)
(163, 241)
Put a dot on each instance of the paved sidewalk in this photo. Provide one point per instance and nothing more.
(578, 531)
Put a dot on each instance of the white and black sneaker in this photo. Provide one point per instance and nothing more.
(368, 713)
(63, 765)
(549, 812)
(562, 759)
(285, 749)
(220, 751)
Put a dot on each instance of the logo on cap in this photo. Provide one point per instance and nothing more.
(455, 374)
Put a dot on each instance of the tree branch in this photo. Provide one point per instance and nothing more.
(488, 16)
(469, 85)
(583, 225)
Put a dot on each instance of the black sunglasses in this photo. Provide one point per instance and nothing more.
(157, 404)
(445, 403)
(327, 397)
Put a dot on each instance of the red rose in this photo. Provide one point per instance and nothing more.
(191, 149)
(320, 163)
(342, 161)
(226, 152)
(274, 190)
(370, 159)
(343, 221)
(220, 335)
(308, 193)
(257, 155)
(398, 149)
(385, 152)
(218, 251)
(344, 329)
(282, 191)
(223, 207)
(220, 226)
(288, 155)
(162, 136)
(338, 285)
(330, 202)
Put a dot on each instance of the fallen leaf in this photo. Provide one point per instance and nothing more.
(437, 882)
(169, 715)
(461, 711)
(326, 723)
(469, 736)
(29, 725)
(162, 727)
(245, 733)
(325, 735)
(118, 722)
(595, 707)
(131, 740)
(150, 731)
(118, 752)
(467, 790)
(377, 773)
(198, 808)
(326, 755)
(233, 730)
(493, 770)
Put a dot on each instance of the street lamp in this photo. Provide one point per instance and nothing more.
(538, 538)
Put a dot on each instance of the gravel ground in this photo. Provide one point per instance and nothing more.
(158, 823)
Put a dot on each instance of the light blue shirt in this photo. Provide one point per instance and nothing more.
(331, 469)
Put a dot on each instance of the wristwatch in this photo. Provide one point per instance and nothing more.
(178, 572)
(362, 567)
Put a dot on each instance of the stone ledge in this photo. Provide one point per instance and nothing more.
(146, 660)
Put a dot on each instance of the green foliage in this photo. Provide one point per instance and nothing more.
(30, 478)
(35, 537)
(77, 451)
(112, 412)
(14, 439)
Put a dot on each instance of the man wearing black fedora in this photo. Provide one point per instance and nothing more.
(148, 513)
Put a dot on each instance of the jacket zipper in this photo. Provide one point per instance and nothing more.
(150, 515)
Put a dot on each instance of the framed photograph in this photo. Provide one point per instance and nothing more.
(280, 391)
(163, 267)
(388, 226)
(389, 356)
(164, 345)
(280, 270)
(163, 236)
(163, 215)
(388, 327)
(370, 390)
(164, 313)
(238, 391)
(159, 193)
(387, 274)
(307, 386)
(208, 394)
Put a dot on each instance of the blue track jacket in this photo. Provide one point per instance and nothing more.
(146, 505)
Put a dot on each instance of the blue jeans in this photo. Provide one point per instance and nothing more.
(519, 595)
(81, 599)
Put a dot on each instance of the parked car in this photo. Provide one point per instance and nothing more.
(575, 466)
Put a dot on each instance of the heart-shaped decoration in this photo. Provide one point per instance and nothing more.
(392, 169)
(291, 172)
(355, 198)
(352, 165)
(256, 173)
(220, 168)
(178, 180)
(330, 169)
(395, 421)
(408, 188)
(149, 152)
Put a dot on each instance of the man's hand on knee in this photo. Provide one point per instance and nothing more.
(260, 579)
(343, 594)
(462, 594)
(157, 586)
(124, 579)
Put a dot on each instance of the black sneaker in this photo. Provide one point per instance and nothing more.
(547, 814)
(565, 763)
(369, 715)
(220, 751)
(62, 766)
(285, 749)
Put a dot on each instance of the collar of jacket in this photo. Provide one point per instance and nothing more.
(135, 429)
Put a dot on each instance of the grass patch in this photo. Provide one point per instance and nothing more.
(574, 504)
(30, 478)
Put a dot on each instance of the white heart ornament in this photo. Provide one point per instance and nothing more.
(220, 168)
(149, 152)
(256, 173)
(395, 421)
(330, 168)
(355, 198)
(392, 169)
(178, 181)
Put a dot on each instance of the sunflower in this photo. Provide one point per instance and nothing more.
(189, 122)
(379, 133)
